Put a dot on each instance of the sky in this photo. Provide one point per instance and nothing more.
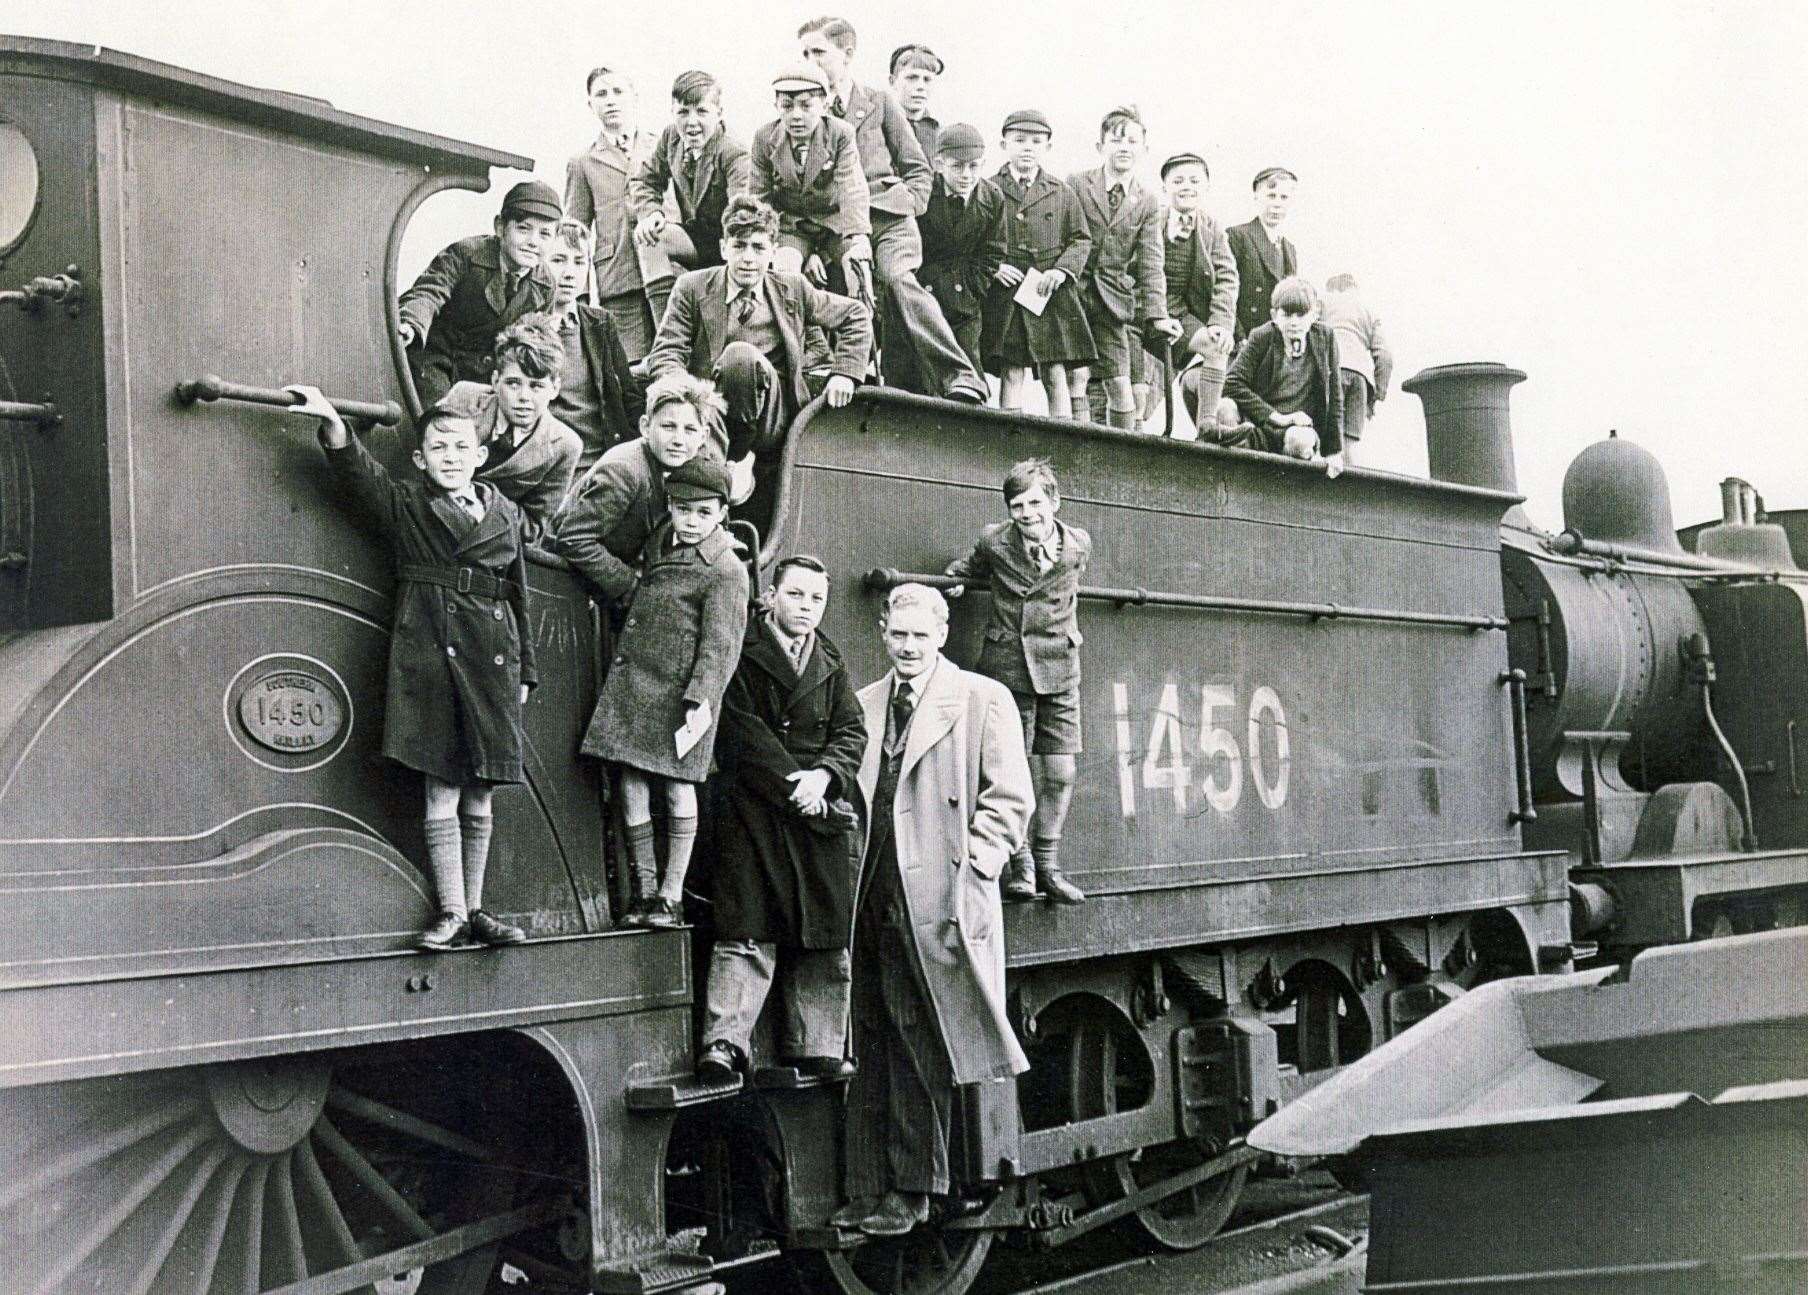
(1608, 196)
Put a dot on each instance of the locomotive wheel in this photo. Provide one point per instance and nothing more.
(240, 1177)
(929, 1261)
(1097, 1080)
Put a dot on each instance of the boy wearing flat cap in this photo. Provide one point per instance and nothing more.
(961, 235)
(806, 167)
(472, 290)
(1264, 256)
(1200, 277)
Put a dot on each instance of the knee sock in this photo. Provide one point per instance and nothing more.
(1210, 390)
(645, 861)
(680, 836)
(1124, 418)
(1046, 851)
(447, 867)
(476, 829)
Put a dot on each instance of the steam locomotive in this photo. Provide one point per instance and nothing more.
(1354, 745)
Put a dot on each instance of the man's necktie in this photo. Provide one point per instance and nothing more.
(903, 702)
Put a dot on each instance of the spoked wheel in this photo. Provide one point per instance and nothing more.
(929, 1261)
(1101, 1076)
(242, 1177)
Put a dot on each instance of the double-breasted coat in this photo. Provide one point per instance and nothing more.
(962, 807)
(962, 244)
(456, 660)
(702, 190)
(1253, 376)
(539, 471)
(1032, 640)
(781, 878)
(1261, 264)
(678, 646)
(1125, 268)
(458, 305)
(1042, 227)
(828, 191)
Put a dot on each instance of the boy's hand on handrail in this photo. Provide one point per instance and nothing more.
(1334, 466)
(953, 591)
(839, 391)
(406, 334)
(332, 427)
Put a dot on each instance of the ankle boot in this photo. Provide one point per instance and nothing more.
(1019, 878)
(1057, 887)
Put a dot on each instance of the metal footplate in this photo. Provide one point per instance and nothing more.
(792, 1077)
(678, 1092)
(665, 1271)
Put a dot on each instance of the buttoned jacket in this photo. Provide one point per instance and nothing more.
(1261, 264)
(961, 247)
(1043, 225)
(1126, 263)
(1032, 638)
(702, 192)
(596, 194)
(896, 169)
(458, 305)
(829, 189)
(1210, 291)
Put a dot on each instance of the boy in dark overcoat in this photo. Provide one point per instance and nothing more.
(1286, 380)
(1264, 255)
(700, 162)
(461, 660)
(961, 235)
(472, 290)
(789, 749)
(677, 649)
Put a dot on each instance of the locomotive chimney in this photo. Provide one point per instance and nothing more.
(1468, 432)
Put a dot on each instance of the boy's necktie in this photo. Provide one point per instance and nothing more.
(798, 648)
(1115, 196)
(839, 108)
(800, 152)
(744, 306)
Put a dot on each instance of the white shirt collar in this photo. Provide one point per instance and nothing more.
(915, 683)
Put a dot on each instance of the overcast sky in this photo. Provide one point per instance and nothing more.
(1609, 196)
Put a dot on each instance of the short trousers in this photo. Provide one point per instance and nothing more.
(1051, 721)
(1110, 338)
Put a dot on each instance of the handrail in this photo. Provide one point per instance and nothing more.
(887, 577)
(209, 388)
(19, 411)
(1515, 682)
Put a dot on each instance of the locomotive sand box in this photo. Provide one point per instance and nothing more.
(1355, 746)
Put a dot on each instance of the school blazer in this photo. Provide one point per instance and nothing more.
(1032, 641)
(722, 171)
(1127, 247)
(961, 247)
(896, 169)
(1252, 377)
(1210, 291)
(830, 189)
(1260, 265)
(1043, 225)
(696, 328)
(596, 194)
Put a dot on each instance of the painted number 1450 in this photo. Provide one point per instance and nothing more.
(1230, 737)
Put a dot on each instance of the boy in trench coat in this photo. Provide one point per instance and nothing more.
(789, 751)
(948, 792)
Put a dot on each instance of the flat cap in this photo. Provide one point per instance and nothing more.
(532, 198)
(704, 477)
(801, 77)
(1185, 159)
(961, 141)
(1268, 173)
(1029, 119)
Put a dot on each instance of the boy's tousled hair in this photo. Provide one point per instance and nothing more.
(574, 234)
(914, 55)
(599, 71)
(680, 388)
(910, 594)
(1027, 473)
(1341, 283)
(839, 30)
(694, 87)
(802, 562)
(1127, 114)
(532, 342)
(1293, 296)
(746, 214)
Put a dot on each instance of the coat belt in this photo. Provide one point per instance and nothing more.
(464, 580)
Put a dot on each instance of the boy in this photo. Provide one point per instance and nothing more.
(807, 166)
(962, 237)
(632, 278)
(1264, 256)
(745, 324)
(1285, 379)
(671, 666)
(702, 165)
(460, 659)
(599, 397)
(790, 746)
(1124, 286)
(1200, 277)
(898, 179)
(474, 289)
(1043, 229)
(1033, 564)
(914, 71)
(621, 500)
(530, 456)
(1362, 355)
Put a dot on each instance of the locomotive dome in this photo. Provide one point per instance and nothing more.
(1616, 491)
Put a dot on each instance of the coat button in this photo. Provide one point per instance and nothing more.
(618, 660)
(496, 612)
(499, 658)
(451, 650)
(630, 624)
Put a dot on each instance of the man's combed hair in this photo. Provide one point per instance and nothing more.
(839, 30)
(1031, 472)
(1127, 114)
(694, 87)
(573, 234)
(1294, 296)
(802, 562)
(1341, 283)
(746, 214)
(905, 596)
(680, 388)
(532, 342)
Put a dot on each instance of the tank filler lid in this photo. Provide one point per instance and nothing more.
(1616, 492)
(278, 109)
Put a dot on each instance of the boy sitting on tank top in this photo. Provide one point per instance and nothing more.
(1285, 379)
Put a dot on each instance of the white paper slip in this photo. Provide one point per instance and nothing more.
(1029, 292)
(693, 729)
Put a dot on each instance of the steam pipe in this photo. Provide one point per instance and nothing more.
(1572, 542)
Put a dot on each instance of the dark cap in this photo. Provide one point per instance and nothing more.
(800, 77)
(1268, 173)
(704, 477)
(1028, 119)
(961, 141)
(1185, 159)
(532, 198)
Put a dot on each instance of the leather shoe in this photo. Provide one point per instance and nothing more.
(492, 930)
(720, 1062)
(965, 394)
(897, 1214)
(822, 1067)
(1019, 879)
(1058, 888)
(662, 913)
(447, 930)
(850, 1216)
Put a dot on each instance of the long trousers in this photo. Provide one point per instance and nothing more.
(941, 365)
(813, 985)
